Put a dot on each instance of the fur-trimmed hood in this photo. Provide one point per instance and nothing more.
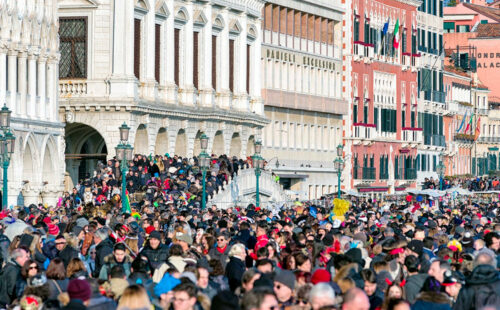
(438, 298)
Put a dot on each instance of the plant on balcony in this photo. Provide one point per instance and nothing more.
(464, 136)
(467, 104)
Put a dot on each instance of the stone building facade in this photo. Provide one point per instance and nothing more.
(302, 93)
(29, 56)
(171, 70)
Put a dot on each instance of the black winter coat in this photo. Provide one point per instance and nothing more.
(67, 254)
(155, 256)
(483, 277)
(234, 272)
(103, 249)
(9, 277)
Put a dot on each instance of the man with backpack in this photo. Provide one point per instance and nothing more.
(482, 288)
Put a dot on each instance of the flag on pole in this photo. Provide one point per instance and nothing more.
(396, 34)
(478, 128)
(386, 27)
(469, 125)
(463, 122)
(126, 204)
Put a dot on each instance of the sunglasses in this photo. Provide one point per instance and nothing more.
(33, 267)
(92, 253)
(222, 239)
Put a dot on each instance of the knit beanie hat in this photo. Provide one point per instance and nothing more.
(285, 277)
(53, 230)
(166, 284)
(79, 289)
(225, 300)
(321, 275)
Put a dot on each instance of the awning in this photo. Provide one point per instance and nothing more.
(292, 175)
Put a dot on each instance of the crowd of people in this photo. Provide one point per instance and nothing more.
(473, 184)
(169, 253)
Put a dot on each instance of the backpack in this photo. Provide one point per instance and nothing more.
(486, 295)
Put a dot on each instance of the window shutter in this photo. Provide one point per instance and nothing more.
(195, 59)
(177, 56)
(214, 62)
(137, 48)
(355, 114)
(231, 65)
(157, 52)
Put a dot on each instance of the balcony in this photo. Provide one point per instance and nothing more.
(366, 173)
(406, 61)
(412, 135)
(410, 174)
(482, 111)
(463, 137)
(488, 139)
(72, 88)
(364, 131)
(358, 50)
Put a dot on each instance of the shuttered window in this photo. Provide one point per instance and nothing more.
(248, 69)
(176, 55)
(214, 62)
(73, 47)
(157, 52)
(231, 65)
(195, 59)
(137, 48)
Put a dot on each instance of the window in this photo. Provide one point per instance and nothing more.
(214, 62)
(176, 55)
(356, 29)
(157, 51)
(231, 65)
(195, 59)
(137, 48)
(73, 47)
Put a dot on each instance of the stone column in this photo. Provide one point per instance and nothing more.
(206, 93)
(122, 81)
(3, 76)
(22, 82)
(149, 51)
(52, 89)
(12, 80)
(224, 99)
(42, 70)
(169, 59)
(255, 75)
(186, 93)
(240, 98)
(31, 110)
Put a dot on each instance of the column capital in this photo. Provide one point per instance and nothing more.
(12, 52)
(42, 58)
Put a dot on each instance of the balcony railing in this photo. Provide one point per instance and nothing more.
(364, 131)
(364, 173)
(482, 111)
(463, 137)
(369, 173)
(72, 88)
(412, 135)
(489, 139)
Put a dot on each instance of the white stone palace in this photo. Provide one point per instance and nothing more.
(29, 57)
(170, 69)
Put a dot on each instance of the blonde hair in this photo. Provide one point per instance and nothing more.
(236, 249)
(134, 297)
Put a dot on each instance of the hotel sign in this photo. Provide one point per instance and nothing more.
(488, 60)
(300, 59)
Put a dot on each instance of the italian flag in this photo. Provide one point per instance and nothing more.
(396, 34)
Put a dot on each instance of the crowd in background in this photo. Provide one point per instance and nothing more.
(169, 253)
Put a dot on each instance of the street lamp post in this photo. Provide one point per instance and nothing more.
(339, 165)
(204, 162)
(440, 170)
(6, 149)
(258, 164)
(124, 153)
